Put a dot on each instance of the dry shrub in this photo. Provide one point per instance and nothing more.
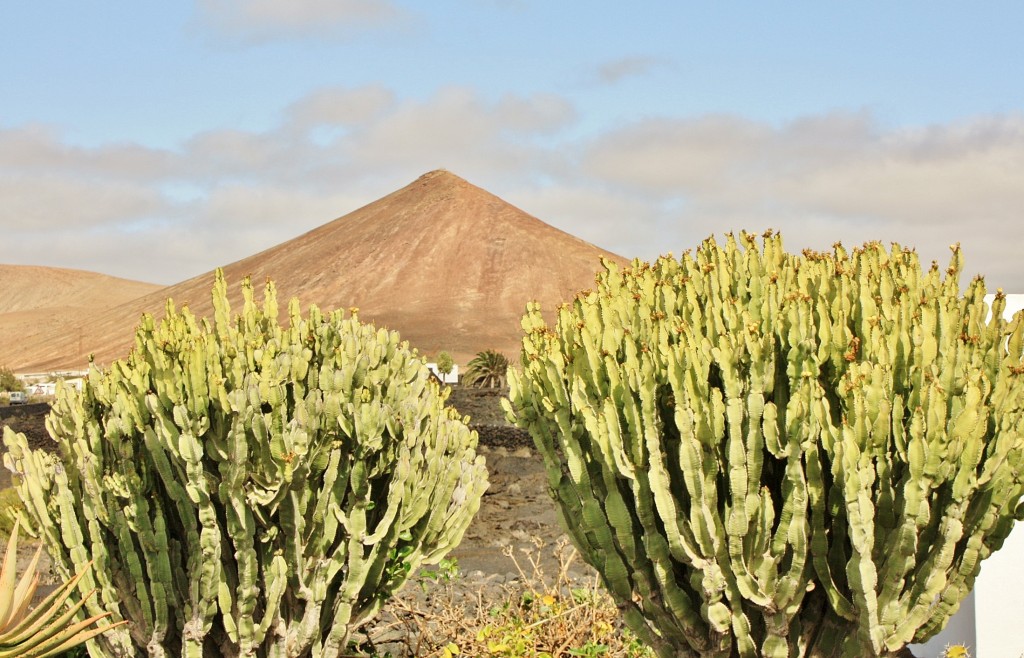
(537, 615)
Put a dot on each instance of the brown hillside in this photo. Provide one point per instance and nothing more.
(31, 288)
(444, 262)
(37, 302)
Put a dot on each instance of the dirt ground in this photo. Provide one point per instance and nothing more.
(516, 509)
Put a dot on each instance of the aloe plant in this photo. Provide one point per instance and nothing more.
(45, 630)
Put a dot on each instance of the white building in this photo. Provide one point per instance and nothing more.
(49, 386)
(450, 378)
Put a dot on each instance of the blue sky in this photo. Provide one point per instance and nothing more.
(158, 140)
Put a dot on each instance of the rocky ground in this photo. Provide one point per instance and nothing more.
(516, 510)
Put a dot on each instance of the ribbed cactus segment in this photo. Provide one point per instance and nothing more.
(248, 489)
(768, 454)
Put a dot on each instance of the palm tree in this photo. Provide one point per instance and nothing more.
(487, 370)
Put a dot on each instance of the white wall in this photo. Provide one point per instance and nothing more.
(450, 378)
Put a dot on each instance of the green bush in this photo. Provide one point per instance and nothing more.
(249, 489)
(766, 454)
(8, 382)
(445, 364)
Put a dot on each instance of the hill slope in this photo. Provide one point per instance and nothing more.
(38, 302)
(444, 262)
(30, 288)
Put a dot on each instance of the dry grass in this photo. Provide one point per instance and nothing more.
(537, 615)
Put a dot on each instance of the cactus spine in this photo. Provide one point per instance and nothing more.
(766, 454)
(248, 489)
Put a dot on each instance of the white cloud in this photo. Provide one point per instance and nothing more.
(641, 189)
(285, 211)
(46, 203)
(340, 107)
(672, 156)
(836, 165)
(458, 130)
(40, 148)
(336, 136)
(262, 20)
(459, 116)
(831, 177)
(233, 153)
(617, 70)
(620, 223)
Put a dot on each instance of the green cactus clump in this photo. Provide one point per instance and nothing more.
(248, 489)
(766, 454)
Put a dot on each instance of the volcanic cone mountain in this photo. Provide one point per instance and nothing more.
(447, 264)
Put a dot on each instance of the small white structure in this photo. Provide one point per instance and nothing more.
(43, 388)
(450, 378)
(49, 385)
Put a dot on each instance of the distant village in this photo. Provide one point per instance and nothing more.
(44, 385)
